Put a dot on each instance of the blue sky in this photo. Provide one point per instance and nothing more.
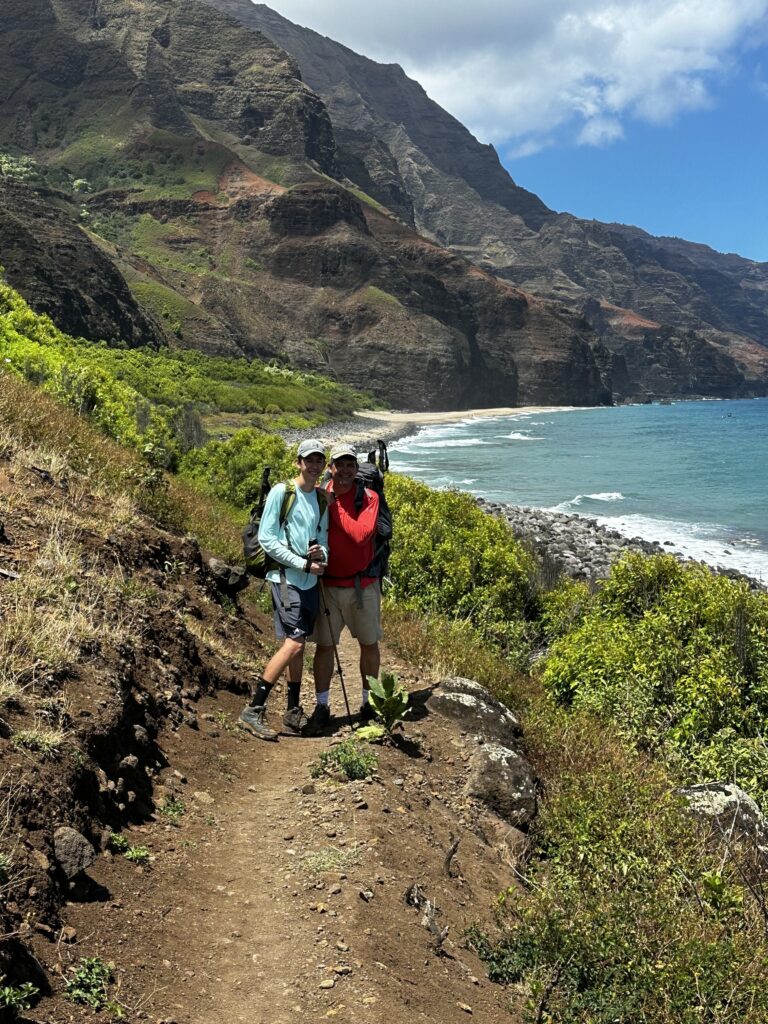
(647, 112)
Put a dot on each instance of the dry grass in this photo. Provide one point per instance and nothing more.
(44, 740)
(227, 651)
(34, 423)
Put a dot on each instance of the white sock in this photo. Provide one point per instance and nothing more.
(324, 697)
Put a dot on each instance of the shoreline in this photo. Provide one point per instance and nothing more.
(367, 426)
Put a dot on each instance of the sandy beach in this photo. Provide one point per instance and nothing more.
(419, 419)
(371, 424)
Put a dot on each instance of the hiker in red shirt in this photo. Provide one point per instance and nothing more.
(352, 598)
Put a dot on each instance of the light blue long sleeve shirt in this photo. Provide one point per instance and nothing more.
(288, 544)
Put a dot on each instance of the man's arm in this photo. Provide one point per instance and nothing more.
(269, 531)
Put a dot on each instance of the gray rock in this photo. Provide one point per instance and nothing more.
(478, 713)
(731, 811)
(503, 780)
(73, 851)
(232, 578)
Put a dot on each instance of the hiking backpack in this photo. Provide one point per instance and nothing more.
(370, 474)
(257, 561)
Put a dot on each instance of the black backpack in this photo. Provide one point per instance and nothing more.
(371, 475)
(257, 561)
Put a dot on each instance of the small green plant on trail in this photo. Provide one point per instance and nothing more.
(172, 811)
(88, 984)
(389, 699)
(347, 758)
(135, 854)
(16, 997)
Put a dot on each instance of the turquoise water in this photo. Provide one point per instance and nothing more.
(693, 473)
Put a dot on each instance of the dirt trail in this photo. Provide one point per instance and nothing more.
(276, 898)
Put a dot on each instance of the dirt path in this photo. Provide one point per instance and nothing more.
(276, 898)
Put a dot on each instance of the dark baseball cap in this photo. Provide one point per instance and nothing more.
(311, 447)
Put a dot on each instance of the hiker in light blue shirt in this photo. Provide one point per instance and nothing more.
(299, 546)
(286, 544)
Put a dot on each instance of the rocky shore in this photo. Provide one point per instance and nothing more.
(361, 431)
(581, 547)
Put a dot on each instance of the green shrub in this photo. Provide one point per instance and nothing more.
(449, 557)
(678, 658)
(626, 913)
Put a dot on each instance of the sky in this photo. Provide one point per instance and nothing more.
(647, 112)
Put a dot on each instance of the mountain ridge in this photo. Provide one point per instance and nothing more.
(240, 216)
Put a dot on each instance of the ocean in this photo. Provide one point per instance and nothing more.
(691, 473)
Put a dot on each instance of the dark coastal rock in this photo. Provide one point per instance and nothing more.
(492, 722)
(730, 811)
(73, 851)
(503, 780)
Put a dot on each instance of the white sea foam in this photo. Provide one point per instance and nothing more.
(517, 436)
(573, 503)
(445, 442)
(706, 542)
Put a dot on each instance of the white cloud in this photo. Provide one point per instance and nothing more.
(525, 75)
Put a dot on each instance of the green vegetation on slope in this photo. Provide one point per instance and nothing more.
(678, 659)
(154, 401)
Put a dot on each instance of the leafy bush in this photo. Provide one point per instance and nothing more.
(232, 469)
(450, 557)
(626, 914)
(678, 658)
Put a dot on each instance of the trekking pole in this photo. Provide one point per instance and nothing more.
(335, 649)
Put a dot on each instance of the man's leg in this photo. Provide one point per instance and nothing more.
(370, 664)
(252, 716)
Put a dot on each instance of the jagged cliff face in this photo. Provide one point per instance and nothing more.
(182, 186)
(179, 140)
(453, 189)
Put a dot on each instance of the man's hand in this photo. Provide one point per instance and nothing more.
(317, 568)
(316, 553)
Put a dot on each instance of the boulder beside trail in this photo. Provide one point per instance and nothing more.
(73, 851)
(503, 780)
(475, 709)
(731, 811)
(229, 578)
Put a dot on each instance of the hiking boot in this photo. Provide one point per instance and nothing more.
(295, 721)
(319, 720)
(367, 714)
(252, 720)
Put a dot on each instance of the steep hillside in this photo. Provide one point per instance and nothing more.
(189, 151)
(426, 167)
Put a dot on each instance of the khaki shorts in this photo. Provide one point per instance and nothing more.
(363, 623)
